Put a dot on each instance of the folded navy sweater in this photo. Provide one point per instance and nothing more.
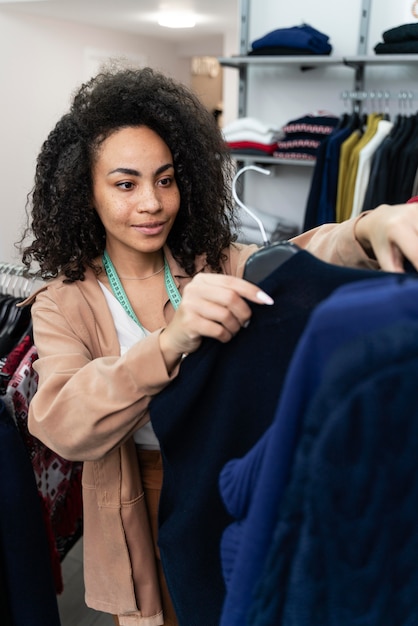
(303, 38)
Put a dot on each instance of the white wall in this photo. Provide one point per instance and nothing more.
(278, 95)
(230, 78)
(42, 61)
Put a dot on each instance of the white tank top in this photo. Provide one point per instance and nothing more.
(129, 333)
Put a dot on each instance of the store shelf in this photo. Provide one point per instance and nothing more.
(306, 61)
(240, 62)
(252, 74)
(381, 59)
(267, 160)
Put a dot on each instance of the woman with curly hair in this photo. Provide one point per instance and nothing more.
(132, 224)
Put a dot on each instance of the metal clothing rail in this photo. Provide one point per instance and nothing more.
(380, 94)
(380, 99)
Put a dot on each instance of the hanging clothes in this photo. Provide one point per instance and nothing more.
(217, 408)
(320, 207)
(347, 149)
(365, 157)
(360, 166)
(405, 166)
(326, 211)
(351, 559)
(377, 188)
(394, 165)
(57, 481)
(254, 486)
(25, 564)
(15, 323)
(399, 144)
(346, 185)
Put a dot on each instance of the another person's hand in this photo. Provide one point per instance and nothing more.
(390, 234)
(213, 305)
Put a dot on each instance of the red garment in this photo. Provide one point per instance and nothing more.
(58, 480)
(268, 148)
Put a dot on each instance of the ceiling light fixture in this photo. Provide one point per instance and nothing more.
(177, 20)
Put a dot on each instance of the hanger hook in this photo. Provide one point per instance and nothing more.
(262, 170)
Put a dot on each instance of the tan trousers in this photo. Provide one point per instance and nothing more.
(152, 478)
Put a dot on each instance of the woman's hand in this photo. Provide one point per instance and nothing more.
(212, 305)
(390, 233)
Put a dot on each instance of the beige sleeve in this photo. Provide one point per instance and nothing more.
(336, 243)
(84, 406)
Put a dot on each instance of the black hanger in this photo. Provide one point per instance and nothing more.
(267, 259)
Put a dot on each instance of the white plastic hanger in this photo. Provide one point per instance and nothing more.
(269, 256)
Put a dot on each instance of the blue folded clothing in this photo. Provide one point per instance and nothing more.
(302, 37)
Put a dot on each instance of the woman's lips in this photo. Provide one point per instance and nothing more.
(154, 228)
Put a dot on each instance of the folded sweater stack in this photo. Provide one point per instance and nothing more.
(303, 40)
(303, 136)
(399, 40)
(249, 135)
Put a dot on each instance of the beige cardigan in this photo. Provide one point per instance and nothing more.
(89, 402)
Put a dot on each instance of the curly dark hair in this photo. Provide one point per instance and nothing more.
(67, 232)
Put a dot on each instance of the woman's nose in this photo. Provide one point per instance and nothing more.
(149, 200)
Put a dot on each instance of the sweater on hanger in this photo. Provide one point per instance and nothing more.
(253, 486)
(344, 549)
(217, 408)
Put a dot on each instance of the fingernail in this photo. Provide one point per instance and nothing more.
(246, 324)
(264, 297)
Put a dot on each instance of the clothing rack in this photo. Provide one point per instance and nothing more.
(57, 481)
(16, 280)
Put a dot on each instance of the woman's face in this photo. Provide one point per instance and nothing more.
(134, 190)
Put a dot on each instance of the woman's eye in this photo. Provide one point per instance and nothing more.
(165, 182)
(125, 185)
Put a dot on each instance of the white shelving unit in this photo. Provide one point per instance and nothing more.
(260, 93)
(355, 63)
